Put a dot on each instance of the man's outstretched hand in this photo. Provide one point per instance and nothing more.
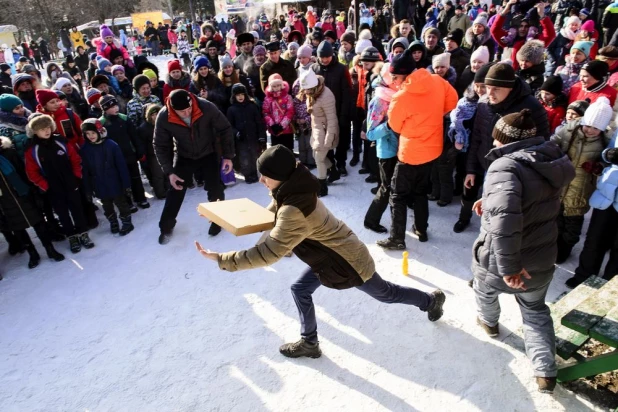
(207, 253)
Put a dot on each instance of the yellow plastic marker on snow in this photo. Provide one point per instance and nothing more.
(404, 263)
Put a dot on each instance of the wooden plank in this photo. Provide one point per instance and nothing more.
(591, 311)
(569, 341)
(606, 331)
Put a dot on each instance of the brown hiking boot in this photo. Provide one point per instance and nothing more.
(546, 384)
(301, 348)
(435, 311)
(492, 331)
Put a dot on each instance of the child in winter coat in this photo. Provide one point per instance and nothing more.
(141, 97)
(302, 120)
(602, 232)
(105, 69)
(74, 99)
(54, 166)
(184, 49)
(574, 111)
(386, 147)
(582, 141)
(321, 106)
(441, 65)
(156, 85)
(68, 123)
(579, 56)
(278, 111)
(107, 42)
(126, 88)
(176, 78)
(13, 122)
(105, 175)
(158, 181)
(249, 131)
(554, 101)
(121, 130)
(18, 205)
(92, 96)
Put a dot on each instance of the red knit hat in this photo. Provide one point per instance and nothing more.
(43, 96)
(173, 65)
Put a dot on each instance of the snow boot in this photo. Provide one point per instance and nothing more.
(301, 348)
(390, 244)
(114, 227)
(342, 170)
(435, 311)
(52, 253)
(74, 244)
(546, 384)
(323, 188)
(214, 229)
(378, 228)
(333, 175)
(422, 236)
(127, 226)
(143, 204)
(491, 331)
(461, 225)
(15, 246)
(355, 159)
(35, 258)
(84, 239)
(133, 208)
(165, 237)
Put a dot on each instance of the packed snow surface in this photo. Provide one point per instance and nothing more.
(131, 325)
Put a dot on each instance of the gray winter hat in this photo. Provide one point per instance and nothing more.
(532, 51)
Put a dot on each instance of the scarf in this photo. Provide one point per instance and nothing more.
(13, 179)
(182, 83)
(11, 120)
(313, 94)
(597, 86)
(384, 92)
(566, 33)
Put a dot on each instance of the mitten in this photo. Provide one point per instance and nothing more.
(588, 166)
(612, 156)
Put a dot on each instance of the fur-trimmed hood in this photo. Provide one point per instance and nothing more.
(5, 143)
(284, 90)
(39, 121)
(479, 40)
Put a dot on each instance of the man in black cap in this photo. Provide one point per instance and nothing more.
(275, 64)
(336, 258)
(337, 79)
(244, 42)
(198, 130)
(459, 57)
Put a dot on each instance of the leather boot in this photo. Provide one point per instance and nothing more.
(323, 188)
(52, 253)
(34, 257)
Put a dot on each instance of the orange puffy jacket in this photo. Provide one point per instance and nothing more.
(416, 113)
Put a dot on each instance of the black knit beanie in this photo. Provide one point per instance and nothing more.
(553, 84)
(501, 75)
(277, 162)
(514, 127)
(180, 99)
(579, 106)
(481, 74)
(107, 102)
(403, 63)
(325, 49)
(139, 81)
(597, 69)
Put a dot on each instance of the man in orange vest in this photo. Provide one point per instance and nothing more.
(416, 113)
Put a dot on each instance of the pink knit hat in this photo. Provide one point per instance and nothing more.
(588, 26)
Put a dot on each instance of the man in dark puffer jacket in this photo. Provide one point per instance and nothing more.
(506, 94)
(336, 258)
(516, 249)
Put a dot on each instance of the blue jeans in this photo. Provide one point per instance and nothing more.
(376, 287)
(539, 334)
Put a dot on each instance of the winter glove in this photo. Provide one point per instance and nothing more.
(612, 156)
(276, 129)
(594, 168)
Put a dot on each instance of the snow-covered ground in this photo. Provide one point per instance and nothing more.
(131, 325)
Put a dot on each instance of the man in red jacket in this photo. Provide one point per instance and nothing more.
(522, 25)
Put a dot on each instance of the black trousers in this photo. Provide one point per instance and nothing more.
(569, 231)
(409, 180)
(357, 142)
(380, 201)
(210, 166)
(121, 203)
(470, 196)
(345, 138)
(137, 187)
(602, 236)
(70, 210)
(442, 185)
(248, 153)
(40, 230)
(285, 139)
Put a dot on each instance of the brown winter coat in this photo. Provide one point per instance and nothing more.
(324, 122)
(305, 226)
(579, 149)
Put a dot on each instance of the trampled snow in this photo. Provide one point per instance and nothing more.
(132, 325)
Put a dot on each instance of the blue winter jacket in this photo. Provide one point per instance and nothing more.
(105, 173)
(386, 141)
(606, 194)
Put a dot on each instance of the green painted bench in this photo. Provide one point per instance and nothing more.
(589, 311)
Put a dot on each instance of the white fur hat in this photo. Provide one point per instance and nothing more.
(598, 114)
(481, 54)
(443, 60)
(362, 45)
(365, 35)
(308, 80)
(61, 82)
